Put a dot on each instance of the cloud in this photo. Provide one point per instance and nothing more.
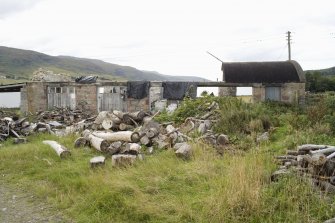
(9, 7)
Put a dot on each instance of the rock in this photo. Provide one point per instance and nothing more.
(222, 139)
(97, 161)
(123, 160)
(330, 221)
(184, 151)
(263, 138)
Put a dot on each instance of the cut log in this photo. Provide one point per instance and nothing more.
(101, 117)
(152, 132)
(184, 151)
(114, 118)
(137, 116)
(123, 160)
(125, 127)
(145, 140)
(80, 142)
(202, 128)
(97, 161)
(61, 151)
(207, 115)
(98, 143)
(318, 159)
(324, 151)
(309, 147)
(287, 157)
(126, 136)
(178, 145)
(20, 140)
(108, 123)
(132, 148)
(118, 114)
(114, 148)
(292, 152)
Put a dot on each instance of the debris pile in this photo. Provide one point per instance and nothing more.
(317, 162)
(46, 75)
(60, 121)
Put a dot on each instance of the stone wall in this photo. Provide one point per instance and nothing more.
(36, 94)
(258, 94)
(293, 93)
(227, 91)
(23, 100)
(86, 97)
(138, 104)
(289, 93)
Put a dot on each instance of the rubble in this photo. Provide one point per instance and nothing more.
(46, 75)
(316, 162)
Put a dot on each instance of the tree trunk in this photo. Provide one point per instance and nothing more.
(152, 132)
(126, 136)
(125, 127)
(98, 143)
(137, 116)
(80, 142)
(145, 140)
(61, 151)
(97, 161)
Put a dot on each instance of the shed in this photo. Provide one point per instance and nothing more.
(278, 80)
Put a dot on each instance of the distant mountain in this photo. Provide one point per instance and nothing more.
(20, 64)
(327, 72)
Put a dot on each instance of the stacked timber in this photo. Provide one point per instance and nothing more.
(317, 162)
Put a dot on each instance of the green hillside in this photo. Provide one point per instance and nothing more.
(20, 64)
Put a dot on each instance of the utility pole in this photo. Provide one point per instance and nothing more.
(289, 44)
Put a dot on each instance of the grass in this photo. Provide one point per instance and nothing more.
(234, 187)
(162, 188)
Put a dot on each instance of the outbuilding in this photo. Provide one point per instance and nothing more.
(277, 80)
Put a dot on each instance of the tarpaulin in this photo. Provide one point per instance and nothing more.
(86, 79)
(178, 90)
(138, 89)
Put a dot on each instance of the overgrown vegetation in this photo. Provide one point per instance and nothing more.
(234, 187)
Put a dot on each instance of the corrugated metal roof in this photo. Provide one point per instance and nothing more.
(262, 72)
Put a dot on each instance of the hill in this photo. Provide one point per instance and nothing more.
(20, 64)
(327, 72)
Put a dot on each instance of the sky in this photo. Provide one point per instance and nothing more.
(172, 37)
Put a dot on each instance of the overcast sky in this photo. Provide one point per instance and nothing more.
(172, 36)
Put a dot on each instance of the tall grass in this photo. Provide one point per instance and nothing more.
(162, 188)
(209, 187)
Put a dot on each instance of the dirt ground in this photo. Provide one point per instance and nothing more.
(19, 206)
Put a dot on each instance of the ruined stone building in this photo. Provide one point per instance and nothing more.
(277, 81)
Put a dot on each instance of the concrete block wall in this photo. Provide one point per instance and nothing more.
(138, 104)
(293, 92)
(258, 94)
(24, 100)
(227, 91)
(36, 93)
(86, 97)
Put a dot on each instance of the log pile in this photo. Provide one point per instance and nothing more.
(317, 162)
(58, 122)
(203, 125)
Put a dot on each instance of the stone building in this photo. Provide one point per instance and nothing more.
(277, 81)
(102, 96)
